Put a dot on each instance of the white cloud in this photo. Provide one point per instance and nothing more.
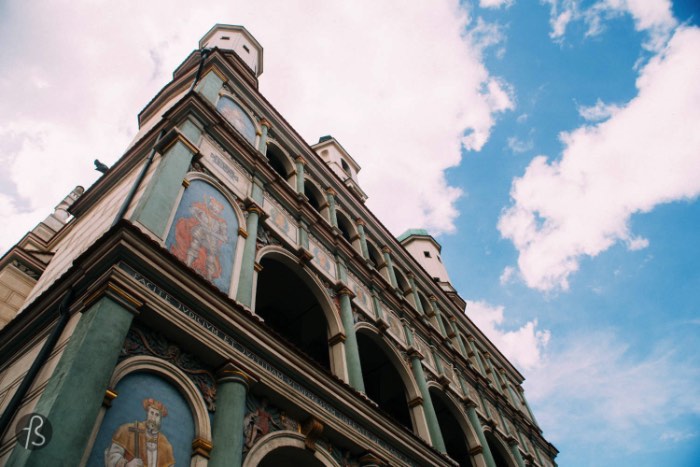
(598, 112)
(646, 154)
(677, 436)
(652, 16)
(495, 3)
(589, 388)
(519, 146)
(507, 275)
(401, 94)
(523, 346)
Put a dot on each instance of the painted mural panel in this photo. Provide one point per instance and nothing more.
(395, 327)
(149, 424)
(280, 220)
(204, 232)
(362, 298)
(225, 168)
(424, 349)
(322, 258)
(237, 117)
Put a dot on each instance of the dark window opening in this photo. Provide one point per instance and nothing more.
(245, 47)
(452, 433)
(345, 166)
(289, 307)
(382, 381)
(427, 254)
(276, 158)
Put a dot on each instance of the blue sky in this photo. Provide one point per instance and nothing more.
(552, 147)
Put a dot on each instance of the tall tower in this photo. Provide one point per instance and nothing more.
(223, 296)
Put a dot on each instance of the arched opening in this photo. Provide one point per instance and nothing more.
(427, 309)
(314, 195)
(279, 161)
(402, 284)
(383, 384)
(375, 256)
(288, 306)
(345, 166)
(498, 451)
(347, 229)
(290, 456)
(452, 433)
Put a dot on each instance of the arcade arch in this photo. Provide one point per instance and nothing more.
(292, 302)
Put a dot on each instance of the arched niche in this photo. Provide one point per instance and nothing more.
(235, 113)
(348, 229)
(457, 432)
(279, 161)
(316, 198)
(286, 449)
(294, 303)
(403, 285)
(388, 380)
(375, 257)
(501, 455)
(146, 385)
(204, 230)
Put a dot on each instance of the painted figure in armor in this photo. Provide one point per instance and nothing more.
(199, 238)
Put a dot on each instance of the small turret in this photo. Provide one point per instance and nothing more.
(340, 162)
(237, 39)
(426, 250)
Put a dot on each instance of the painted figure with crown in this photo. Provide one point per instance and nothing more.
(141, 443)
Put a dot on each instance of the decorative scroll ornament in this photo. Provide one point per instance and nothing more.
(143, 341)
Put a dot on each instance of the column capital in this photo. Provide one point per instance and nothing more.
(229, 372)
(331, 191)
(386, 249)
(265, 123)
(300, 160)
(359, 221)
(342, 289)
(432, 298)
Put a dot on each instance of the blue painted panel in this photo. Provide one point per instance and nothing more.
(127, 431)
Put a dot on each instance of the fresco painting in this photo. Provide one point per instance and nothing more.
(148, 425)
(237, 117)
(204, 232)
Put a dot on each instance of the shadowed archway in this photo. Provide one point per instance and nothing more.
(287, 304)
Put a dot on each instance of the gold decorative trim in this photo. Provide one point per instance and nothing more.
(264, 122)
(179, 137)
(476, 450)
(185, 182)
(258, 267)
(242, 232)
(202, 447)
(110, 395)
(115, 292)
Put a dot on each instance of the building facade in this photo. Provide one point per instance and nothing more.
(222, 296)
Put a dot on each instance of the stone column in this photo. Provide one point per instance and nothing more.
(158, 199)
(245, 283)
(265, 126)
(352, 351)
(476, 424)
(75, 390)
(527, 406)
(490, 370)
(458, 336)
(428, 408)
(476, 356)
(390, 265)
(363, 237)
(300, 162)
(438, 315)
(330, 197)
(227, 427)
(304, 234)
(414, 291)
